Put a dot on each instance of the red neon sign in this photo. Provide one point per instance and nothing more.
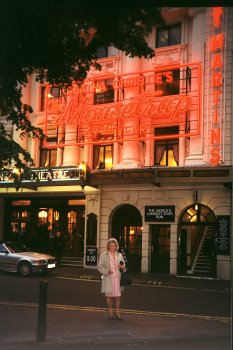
(145, 105)
(216, 48)
(131, 117)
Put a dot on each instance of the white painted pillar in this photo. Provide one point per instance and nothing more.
(182, 147)
(145, 263)
(71, 153)
(60, 151)
(35, 151)
(173, 249)
(130, 151)
(197, 55)
(149, 155)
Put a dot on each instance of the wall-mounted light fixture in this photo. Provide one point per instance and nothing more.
(17, 177)
(195, 200)
(42, 214)
(82, 174)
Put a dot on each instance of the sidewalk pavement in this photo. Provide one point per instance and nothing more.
(160, 279)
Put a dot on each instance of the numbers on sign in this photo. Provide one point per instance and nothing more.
(91, 258)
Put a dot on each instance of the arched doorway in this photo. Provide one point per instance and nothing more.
(127, 229)
(196, 242)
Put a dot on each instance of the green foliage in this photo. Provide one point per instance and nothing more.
(57, 40)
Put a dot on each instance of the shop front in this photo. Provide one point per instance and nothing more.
(42, 202)
(35, 221)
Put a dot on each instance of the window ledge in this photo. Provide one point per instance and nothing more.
(170, 49)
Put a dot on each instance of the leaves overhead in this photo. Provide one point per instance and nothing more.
(58, 40)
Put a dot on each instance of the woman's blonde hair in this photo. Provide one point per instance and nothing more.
(112, 240)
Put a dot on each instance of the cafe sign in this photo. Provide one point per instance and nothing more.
(160, 213)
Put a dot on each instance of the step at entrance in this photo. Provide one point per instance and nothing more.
(203, 263)
(72, 261)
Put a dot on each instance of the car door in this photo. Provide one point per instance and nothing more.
(7, 260)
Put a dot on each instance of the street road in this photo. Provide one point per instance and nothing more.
(161, 317)
(71, 291)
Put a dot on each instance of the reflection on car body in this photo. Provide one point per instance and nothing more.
(16, 257)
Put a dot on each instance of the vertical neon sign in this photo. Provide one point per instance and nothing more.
(216, 50)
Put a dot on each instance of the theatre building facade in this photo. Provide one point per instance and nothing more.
(141, 152)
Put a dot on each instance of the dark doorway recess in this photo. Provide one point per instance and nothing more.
(127, 229)
(160, 248)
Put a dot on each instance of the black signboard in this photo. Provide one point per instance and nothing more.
(91, 255)
(223, 234)
(163, 213)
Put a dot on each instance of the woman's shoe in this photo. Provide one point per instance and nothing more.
(111, 317)
(118, 317)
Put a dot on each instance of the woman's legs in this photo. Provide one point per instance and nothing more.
(109, 303)
(118, 303)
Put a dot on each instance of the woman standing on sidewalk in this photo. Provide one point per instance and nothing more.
(110, 264)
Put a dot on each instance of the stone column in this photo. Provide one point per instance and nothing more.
(145, 263)
(130, 151)
(173, 249)
(197, 55)
(71, 152)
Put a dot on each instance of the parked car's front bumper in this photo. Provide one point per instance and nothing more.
(43, 268)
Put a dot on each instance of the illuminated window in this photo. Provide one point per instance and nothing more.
(167, 150)
(170, 84)
(103, 92)
(167, 36)
(103, 157)
(55, 92)
(48, 156)
(19, 221)
(72, 222)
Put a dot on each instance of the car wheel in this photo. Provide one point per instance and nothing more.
(24, 268)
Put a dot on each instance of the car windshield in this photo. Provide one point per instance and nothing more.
(17, 247)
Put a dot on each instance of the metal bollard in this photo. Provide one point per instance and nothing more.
(41, 325)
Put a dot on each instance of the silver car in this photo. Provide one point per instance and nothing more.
(16, 257)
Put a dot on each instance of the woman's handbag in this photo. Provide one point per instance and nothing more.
(126, 279)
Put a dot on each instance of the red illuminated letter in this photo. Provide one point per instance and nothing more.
(217, 79)
(215, 156)
(169, 77)
(217, 61)
(217, 42)
(216, 14)
(215, 136)
(158, 78)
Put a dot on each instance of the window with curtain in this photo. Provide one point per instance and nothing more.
(168, 35)
(48, 156)
(167, 150)
(102, 157)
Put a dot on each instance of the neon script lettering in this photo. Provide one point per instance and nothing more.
(146, 105)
